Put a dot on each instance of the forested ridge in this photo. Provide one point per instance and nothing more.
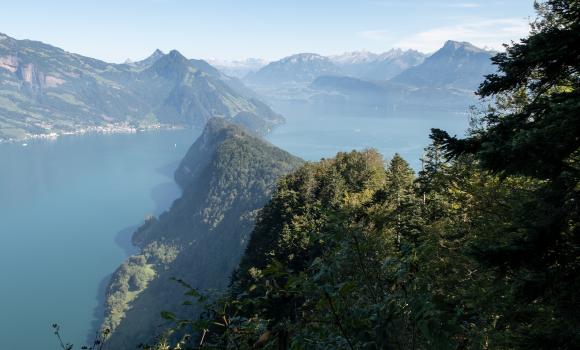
(226, 176)
(479, 250)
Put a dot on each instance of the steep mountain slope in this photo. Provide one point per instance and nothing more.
(226, 176)
(233, 82)
(457, 64)
(300, 68)
(44, 90)
(368, 65)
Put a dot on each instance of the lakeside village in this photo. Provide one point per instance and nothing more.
(112, 128)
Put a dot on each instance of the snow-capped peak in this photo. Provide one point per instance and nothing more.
(354, 57)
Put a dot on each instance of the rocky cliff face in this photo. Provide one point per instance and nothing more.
(29, 73)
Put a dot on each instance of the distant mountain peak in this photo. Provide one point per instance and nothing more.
(354, 57)
(452, 45)
(396, 53)
(298, 68)
(176, 54)
(368, 65)
(151, 59)
(155, 55)
(172, 65)
(457, 64)
(364, 56)
(174, 57)
(303, 57)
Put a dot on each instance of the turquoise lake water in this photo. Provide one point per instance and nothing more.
(63, 206)
(313, 132)
(67, 207)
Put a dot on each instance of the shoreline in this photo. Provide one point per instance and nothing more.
(163, 195)
(108, 129)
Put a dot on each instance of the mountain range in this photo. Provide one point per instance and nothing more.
(359, 64)
(397, 79)
(456, 64)
(368, 65)
(295, 69)
(45, 90)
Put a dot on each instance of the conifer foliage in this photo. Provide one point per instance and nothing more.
(478, 251)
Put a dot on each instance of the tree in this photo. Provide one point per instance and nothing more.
(533, 130)
(541, 138)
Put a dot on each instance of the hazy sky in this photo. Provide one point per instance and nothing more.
(114, 30)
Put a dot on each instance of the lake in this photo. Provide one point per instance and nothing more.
(312, 132)
(68, 207)
(63, 206)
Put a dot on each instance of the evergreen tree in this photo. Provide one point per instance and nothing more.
(541, 137)
(534, 131)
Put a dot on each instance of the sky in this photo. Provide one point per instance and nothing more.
(114, 30)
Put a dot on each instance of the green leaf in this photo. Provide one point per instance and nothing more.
(168, 315)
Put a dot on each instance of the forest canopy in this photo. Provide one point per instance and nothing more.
(477, 251)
